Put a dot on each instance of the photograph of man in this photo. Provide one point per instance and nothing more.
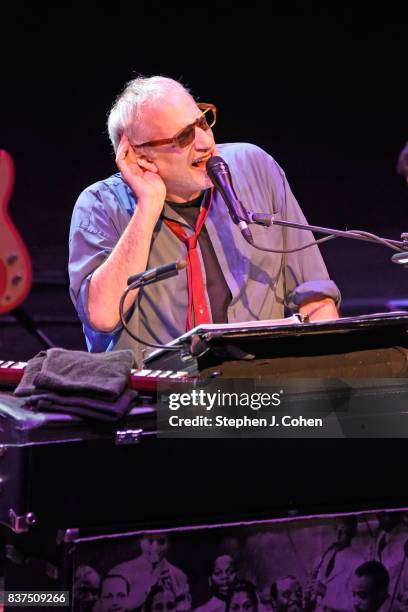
(242, 597)
(391, 549)
(114, 596)
(160, 599)
(286, 594)
(329, 587)
(369, 587)
(87, 583)
(151, 568)
(222, 577)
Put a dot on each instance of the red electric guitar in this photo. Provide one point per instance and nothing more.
(15, 263)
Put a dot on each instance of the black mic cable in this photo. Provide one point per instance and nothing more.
(141, 280)
(219, 174)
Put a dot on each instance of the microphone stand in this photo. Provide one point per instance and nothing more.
(401, 246)
(266, 220)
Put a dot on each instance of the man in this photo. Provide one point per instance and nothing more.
(286, 595)
(390, 538)
(87, 583)
(330, 587)
(242, 597)
(370, 588)
(390, 547)
(114, 594)
(160, 600)
(143, 217)
(151, 569)
(223, 576)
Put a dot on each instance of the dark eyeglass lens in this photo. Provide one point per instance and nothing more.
(186, 137)
(204, 123)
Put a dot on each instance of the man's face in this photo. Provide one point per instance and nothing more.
(113, 595)
(154, 547)
(184, 181)
(164, 601)
(86, 586)
(289, 595)
(241, 602)
(223, 576)
(366, 598)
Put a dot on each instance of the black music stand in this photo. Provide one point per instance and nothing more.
(363, 346)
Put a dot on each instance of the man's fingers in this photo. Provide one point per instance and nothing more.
(147, 165)
(129, 167)
(127, 161)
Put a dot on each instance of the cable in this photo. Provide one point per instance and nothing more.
(382, 241)
(132, 287)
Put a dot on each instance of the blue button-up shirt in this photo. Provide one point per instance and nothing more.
(263, 285)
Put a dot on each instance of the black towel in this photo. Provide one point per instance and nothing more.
(103, 374)
(90, 385)
(83, 406)
(26, 385)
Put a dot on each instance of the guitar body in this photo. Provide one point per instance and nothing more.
(15, 262)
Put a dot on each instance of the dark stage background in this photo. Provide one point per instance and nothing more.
(327, 99)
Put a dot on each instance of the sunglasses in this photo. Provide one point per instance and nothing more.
(186, 136)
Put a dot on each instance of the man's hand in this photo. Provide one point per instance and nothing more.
(131, 252)
(315, 590)
(143, 178)
(319, 308)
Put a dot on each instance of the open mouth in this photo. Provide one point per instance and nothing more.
(200, 162)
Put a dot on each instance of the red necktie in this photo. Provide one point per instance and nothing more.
(197, 302)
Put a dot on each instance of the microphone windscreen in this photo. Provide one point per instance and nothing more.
(215, 163)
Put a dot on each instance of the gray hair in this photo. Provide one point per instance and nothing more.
(126, 112)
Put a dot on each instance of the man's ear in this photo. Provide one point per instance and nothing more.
(147, 164)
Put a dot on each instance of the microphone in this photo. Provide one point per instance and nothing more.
(218, 171)
(159, 273)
